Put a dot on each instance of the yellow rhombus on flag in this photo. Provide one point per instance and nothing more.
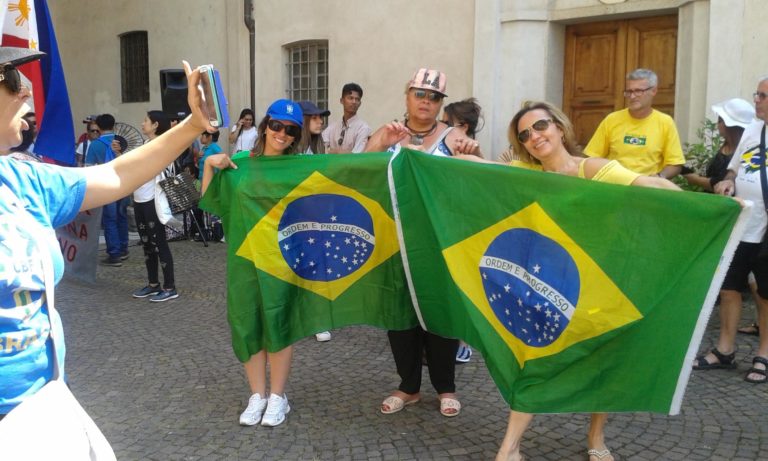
(537, 315)
(316, 261)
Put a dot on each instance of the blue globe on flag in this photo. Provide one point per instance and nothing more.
(532, 285)
(325, 237)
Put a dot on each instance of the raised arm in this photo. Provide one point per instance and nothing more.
(111, 181)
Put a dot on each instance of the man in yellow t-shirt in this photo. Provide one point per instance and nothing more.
(641, 138)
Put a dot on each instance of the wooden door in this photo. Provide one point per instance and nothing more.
(597, 58)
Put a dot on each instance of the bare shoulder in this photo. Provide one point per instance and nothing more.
(592, 165)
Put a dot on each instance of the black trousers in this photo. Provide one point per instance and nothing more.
(407, 347)
(152, 234)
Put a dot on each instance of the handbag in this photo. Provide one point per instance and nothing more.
(163, 208)
(762, 252)
(51, 424)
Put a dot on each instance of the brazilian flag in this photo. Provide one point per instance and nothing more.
(581, 296)
(312, 246)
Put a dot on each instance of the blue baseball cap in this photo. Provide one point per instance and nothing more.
(287, 110)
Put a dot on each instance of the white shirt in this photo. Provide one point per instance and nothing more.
(744, 163)
(245, 140)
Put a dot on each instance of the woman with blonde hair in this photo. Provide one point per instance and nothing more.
(542, 138)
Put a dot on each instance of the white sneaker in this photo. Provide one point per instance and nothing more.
(323, 336)
(252, 415)
(276, 410)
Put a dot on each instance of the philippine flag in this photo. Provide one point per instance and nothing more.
(27, 24)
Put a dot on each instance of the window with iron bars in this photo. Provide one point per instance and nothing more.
(308, 72)
(134, 66)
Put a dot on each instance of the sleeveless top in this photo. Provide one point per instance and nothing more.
(438, 148)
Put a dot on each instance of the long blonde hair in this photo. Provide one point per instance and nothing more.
(560, 119)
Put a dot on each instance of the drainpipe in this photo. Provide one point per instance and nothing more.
(250, 24)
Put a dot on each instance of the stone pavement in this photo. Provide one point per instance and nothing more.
(162, 383)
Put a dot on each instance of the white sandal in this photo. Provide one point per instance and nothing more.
(449, 403)
(396, 404)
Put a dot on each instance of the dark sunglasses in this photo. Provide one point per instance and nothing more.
(94, 131)
(538, 125)
(278, 126)
(431, 95)
(9, 75)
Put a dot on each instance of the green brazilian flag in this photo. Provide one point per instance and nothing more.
(581, 296)
(312, 246)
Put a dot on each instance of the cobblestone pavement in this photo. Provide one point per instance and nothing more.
(161, 381)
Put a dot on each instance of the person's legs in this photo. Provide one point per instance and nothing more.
(596, 438)
(143, 213)
(256, 374)
(407, 346)
(162, 250)
(510, 446)
(761, 301)
(730, 314)
(111, 236)
(122, 224)
(441, 362)
(723, 355)
(279, 369)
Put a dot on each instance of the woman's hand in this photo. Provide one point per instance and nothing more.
(197, 118)
(220, 161)
(725, 187)
(387, 136)
(466, 146)
(116, 147)
(211, 164)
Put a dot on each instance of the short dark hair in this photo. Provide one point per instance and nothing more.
(215, 135)
(105, 122)
(349, 88)
(162, 120)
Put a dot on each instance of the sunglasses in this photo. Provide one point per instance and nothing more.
(9, 75)
(431, 95)
(759, 95)
(539, 125)
(278, 126)
(94, 131)
(342, 135)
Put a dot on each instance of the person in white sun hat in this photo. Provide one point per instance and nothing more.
(733, 116)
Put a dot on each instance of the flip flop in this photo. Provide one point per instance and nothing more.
(450, 407)
(752, 329)
(396, 404)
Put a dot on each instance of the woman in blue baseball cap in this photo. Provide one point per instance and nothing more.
(278, 134)
(311, 139)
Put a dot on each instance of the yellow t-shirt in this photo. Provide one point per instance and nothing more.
(644, 146)
(611, 173)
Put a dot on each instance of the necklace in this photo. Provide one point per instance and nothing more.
(417, 137)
